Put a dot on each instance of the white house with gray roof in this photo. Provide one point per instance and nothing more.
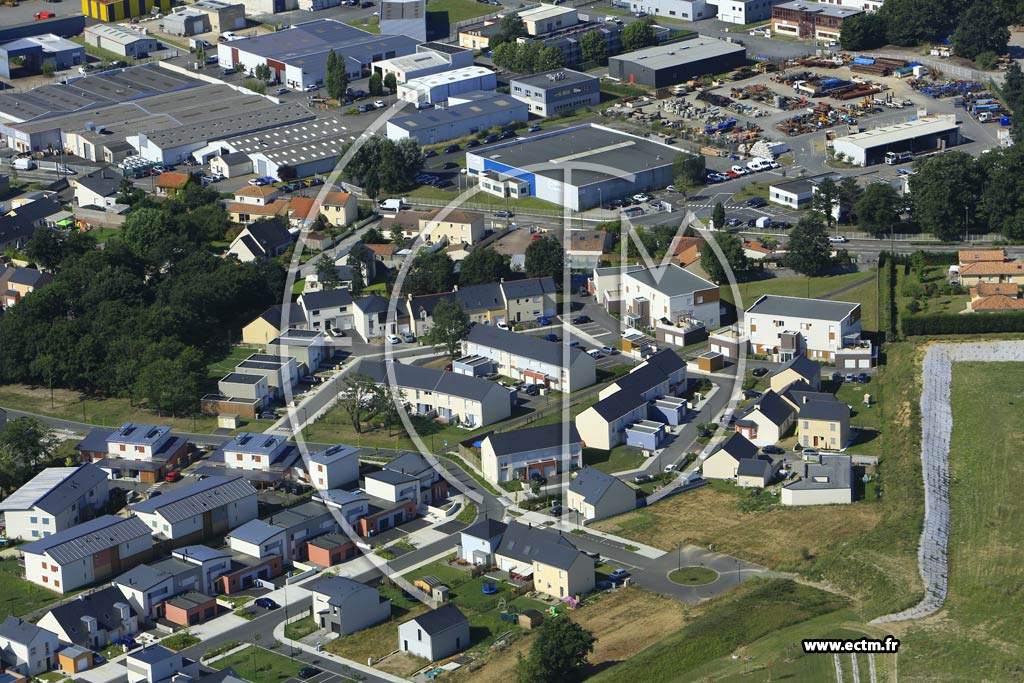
(205, 509)
(86, 553)
(828, 481)
(467, 401)
(782, 327)
(668, 293)
(27, 648)
(147, 586)
(158, 664)
(520, 454)
(334, 467)
(595, 495)
(92, 620)
(56, 499)
(531, 359)
(436, 634)
(344, 606)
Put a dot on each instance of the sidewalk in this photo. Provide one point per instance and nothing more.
(361, 668)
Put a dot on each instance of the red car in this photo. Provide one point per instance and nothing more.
(731, 173)
(172, 477)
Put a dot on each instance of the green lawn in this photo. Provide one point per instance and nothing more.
(693, 576)
(180, 641)
(217, 369)
(258, 665)
(368, 24)
(482, 200)
(301, 628)
(618, 459)
(750, 191)
(798, 285)
(454, 11)
(18, 595)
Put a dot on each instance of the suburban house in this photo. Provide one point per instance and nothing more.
(585, 248)
(211, 563)
(99, 188)
(247, 213)
(435, 634)
(433, 488)
(755, 472)
(767, 420)
(272, 322)
(595, 495)
(344, 273)
(147, 586)
(18, 223)
(170, 183)
(261, 240)
(723, 462)
(528, 299)
(194, 512)
(135, 451)
(158, 664)
(231, 164)
(19, 283)
(285, 534)
(56, 499)
(605, 422)
(369, 514)
(531, 359)
(468, 401)
(327, 309)
(482, 303)
(972, 274)
(824, 424)
(27, 648)
(826, 481)
(797, 369)
(784, 327)
(92, 621)
(89, 552)
(478, 544)
(307, 347)
(370, 317)
(334, 467)
(457, 227)
(996, 296)
(686, 250)
(262, 459)
(338, 208)
(543, 451)
(669, 294)
(556, 566)
(237, 394)
(281, 372)
(344, 606)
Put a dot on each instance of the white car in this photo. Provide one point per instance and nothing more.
(503, 326)
(594, 353)
(394, 339)
(741, 170)
(838, 239)
(670, 188)
(379, 104)
(641, 197)
(774, 164)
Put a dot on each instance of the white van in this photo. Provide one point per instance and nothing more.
(763, 222)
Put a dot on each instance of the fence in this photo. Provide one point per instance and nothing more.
(960, 72)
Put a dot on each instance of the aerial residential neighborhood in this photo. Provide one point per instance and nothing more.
(479, 340)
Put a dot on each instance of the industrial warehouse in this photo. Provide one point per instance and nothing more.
(923, 135)
(589, 165)
(666, 65)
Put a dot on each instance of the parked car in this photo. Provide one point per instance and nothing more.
(490, 138)
(550, 336)
(408, 337)
(760, 372)
(268, 416)
(503, 214)
(472, 143)
(642, 479)
(308, 672)
(533, 129)
(572, 342)
(257, 182)
(394, 339)
(505, 135)
(449, 165)
(594, 353)
(642, 197)
(750, 393)
(266, 603)
(618, 574)
(863, 378)
(772, 450)
(581, 319)
(172, 476)
(733, 222)
(837, 239)
(531, 390)
(451, 148)
(849, 378)
(610, 350)
(543, 321)
(757, 202)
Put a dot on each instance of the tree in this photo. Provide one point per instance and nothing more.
(864, 31)
(544, 257)
(912, 22)
(255, 85)
(1013, 87)
(49, 69)
(397, 236)
(336, 78)
(982, 28)
(549, 59)
(850, 192)
(944, 193)
(431, 273)
(504, 55)
(172, 386)
(373, 236)
(262, 72)
(689, 168)
(718, 216)
(451, 324)
(376, 84)
(825, 199)
(1001, 207)
(358, 259)
(483, 266)
(732, 248)
(201, 54)
(878, 210)
(638, 35)
(558, 654)
(391, 83)
(327, 272)
(358, 399)
(511, 27)
(46, 248)
(808, 251)
(594, 48)
(384, 402)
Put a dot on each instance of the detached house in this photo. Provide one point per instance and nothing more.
(99, 188)
(457, 227)
(668, 294)
(556, 566)
(766, 421)
(19, 283)
(370, 317)
(436, 634)
(523, 453)
(826, 481)
(272, 322)
(824, 424)
(147, 586)
(135, 451)
(194, 512)
(261, 241)
(170, 183)
(596, 495)
(26, 648)
(334, 467)
(92, 621)
(86, 553)
(158, 664)
(798, 369)
(56, 499)
(723, 462)
(344, 606)
(327, 309)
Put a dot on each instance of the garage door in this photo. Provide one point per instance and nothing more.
(866, 363)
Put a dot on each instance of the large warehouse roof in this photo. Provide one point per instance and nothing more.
(304, 41)
(432, 118)
(900, 132)
(673, 54)
(621, 154)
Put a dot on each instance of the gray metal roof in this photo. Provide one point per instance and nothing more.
(339, 589)
(831, 411)
(88, 538)
(441, 619)
(200, 553)
(459, 113)
(255, 531)
(18, 631)
(671, 280)
(673, 54)
(833, 472)
(755, 467)
(618, 404)
(523, 345)
(312, 40)
(429, 379)
(487, 529)
(592, 484)
(542, 81)
(195, 499)
(528, 287)
(531, 439)
(142, 578)
(798, 307)
(772, 406)
(54, 489)
(526, 544)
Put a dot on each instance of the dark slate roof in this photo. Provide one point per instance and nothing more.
(30, 277)
(409, 463)
(392, 477)
(326, 298)
(104, 181)
(54, 489)
(338, 589)
(666, 360)
(233, 158)
(642, 379)
(86, 539)
(275, 315)
(18, 631)
(618, 404)
(521, 289)
(738, 446)
(267, 236)
(143, 577)
(373, 304)
(755, 467)
(474, 299)
(772, 406)
(824, 410)
(531, 439)
(592, 484)
(486, 529)
(99, 605)
(194, 499)
(20, 223)
(802, 392)
(803, 365)
(523, 345)
(429, 379)
(528, 543)
(441, 619)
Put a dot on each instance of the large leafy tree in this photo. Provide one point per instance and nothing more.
(544, 257)
(732, 248)
(864, 31)
(376, 84)
(825, 200)
(171, 386)
(638, 35)
(849, 192)
(483, 266)
(359, 399)
(912, 22)
(431, 273)
(808, 251)
(383, 164)
(689, 169)
(944, 193)
(450, 325)
(594, 48)
(327, 272)
(336, 78)
(1002, 196)
(718, 216)
(557, 655)
(391, 82)
(878, 209)
(982, 28)
(26, 444)
(511, 27)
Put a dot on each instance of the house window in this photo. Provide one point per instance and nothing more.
(34, 520)
(832, 427)
(805, 424)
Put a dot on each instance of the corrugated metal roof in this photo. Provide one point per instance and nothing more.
(54, 489)
(85, 540)
(195, 499)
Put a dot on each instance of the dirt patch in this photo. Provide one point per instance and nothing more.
(780, 538)
(402, 664)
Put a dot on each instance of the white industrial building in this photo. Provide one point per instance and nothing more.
(688, 10)
(404, 18)
(307, 147)
(125, 42)
(743, 11)
(926, 134)
(547, 18)
(430, 58)
(439, 87)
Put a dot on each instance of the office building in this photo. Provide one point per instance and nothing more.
(556, 92)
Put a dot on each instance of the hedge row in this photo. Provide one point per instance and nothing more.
(953, 323)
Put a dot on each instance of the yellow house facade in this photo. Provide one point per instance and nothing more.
(118, 10)
(574, 579)
(458, 227)
(824, 424)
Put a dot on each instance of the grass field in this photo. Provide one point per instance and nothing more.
(618, 459)
(693, 576)
(815, 287)
(454, 11)
(20, 596)
(368, 24)
(259, 665)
